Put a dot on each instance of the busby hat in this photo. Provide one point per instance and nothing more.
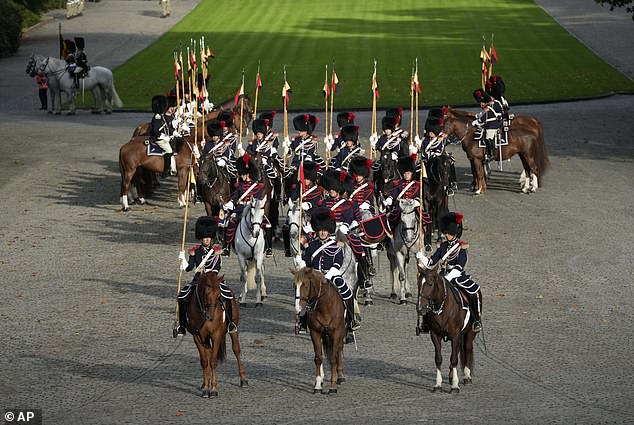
(79, 42)
(171, 101)
(310, 171)
(246, 165)
(227, 117)
(350, 132)
(388, 123)
(261, 126)
(436, 113)
(306, 122)
(322, 220)
(434, 125)
(267, 115)
(345, 118)
(330, 180)
(206, 227)
(497, 85)
(396, 113)
(69, 46)
(360, 166)
(481, 96)
(214, 128)
(159, 104)
(451, 223)
(347, 185)
(407, 163)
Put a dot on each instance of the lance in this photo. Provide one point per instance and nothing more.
(417, 89)
(241, 94)
(180, 269)
(203, 66)
(490, 58)
(333, 88)
(300, 178)
(411, 113)
(326, 91)
(284, 97)
(483, 56)
(176, 75)
(180, 59)
(373, 127)
(257, 89)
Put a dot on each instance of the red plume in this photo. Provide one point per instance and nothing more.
(494, 78)
(414, 157)
(306, 118)
(266, 122)
(444, 111)
(351, 117)
(272, 114)
(459, 218)
(245, 157)
(368, 163)
(400, 110)
(342, 176)
(316, 120)
(223, 124)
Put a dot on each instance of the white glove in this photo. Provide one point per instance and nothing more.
(394, 156)
(196, 151)
(228, 206)
(344, 228)
(273, 150)
(476, 123)
(164, 137)
(241, 151)
(454, 273)
(364, 206)
(183, 260)
(176, 133)
(308, 228)
(299, 263)
(418, 141)
(373, 139)
(354, 224)
(222, 162)
(387, 202)
(327, 143)
(306, 206)
(423, 262)
(332, 273)
(416, 203)
(413, 149)
(264, 161)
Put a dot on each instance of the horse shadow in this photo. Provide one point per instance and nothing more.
(160, 288)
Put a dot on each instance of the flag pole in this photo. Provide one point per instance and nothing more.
(257, 89)
(411, 114)
(326, 94)
(417, 90)
(284, 97)
(180, 269)
(490, 57)
(333, 87)
(484, 61)
(241, 107)
(373, 128)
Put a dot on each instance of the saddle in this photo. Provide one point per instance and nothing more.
(153, 149)
(374, 229)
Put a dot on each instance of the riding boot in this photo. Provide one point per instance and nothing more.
(268, 242)
(474, 303)
(286, 237)
(167, 160)
(371, 269)
(231, 326)
(453, 180)
(489, 148)
(363, 274)
(277, 187)
(353, 323)
(182, 317)
(301, 326)
(75, 81)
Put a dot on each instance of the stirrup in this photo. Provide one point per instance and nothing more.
(269, 252)
(477, 326)
(354, 325)
(180, 330)
(372, 272)
(232, 328)
(225, 251)
(299, 329)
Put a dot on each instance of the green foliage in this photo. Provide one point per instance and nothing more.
(10, 28)
(538, 59)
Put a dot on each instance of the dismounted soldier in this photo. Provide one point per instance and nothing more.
(349, 149)
(336, 142)
(490, 119)
(206, 228)
(324, 255)
(161, 133)
(247, 188)
(310, 197)
(42, 88)
(452, 256)
(404, 188)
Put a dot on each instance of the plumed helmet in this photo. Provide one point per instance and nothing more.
(159, 104)
(388, 123)
(481, 96)
(330, 180)
(360, 166)
(79, 42)
(206, 227)
(350, 132)
(396, 113)
(498, 86)
(310, 171)
(171, 101)
(347, 185)
(407, 163)
(345, 118)
(214, 128)
(452, 223)
(322, 220)
(261, 126)
(435, 113)
(434, 125)
(246, 165)
(267, 115)
(306, 122)
(227, 117)
(69, 45)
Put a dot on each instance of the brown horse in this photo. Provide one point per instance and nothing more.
(322, 304)
(440, 308)
(214, 185)
(133, 155)
(526, 139)
(206, 322)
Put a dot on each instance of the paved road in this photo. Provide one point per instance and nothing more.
(88, 291)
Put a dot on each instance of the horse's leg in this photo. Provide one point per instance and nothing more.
(525, 181)
(393, 271)
(480, 180)
(203, 353)
(259, 278)
(339, 337)
(467, 355)
(333, 360)
(474, 181)
(243, 278)
(183, 175)
(216, 346)
(319, 367)
(435, 339)
(235, 346)
(401, 277)
(456, 344)
(126, 179)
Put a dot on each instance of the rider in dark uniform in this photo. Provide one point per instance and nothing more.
(343, 119)
(81, 60)
(206, 232)
(349, 149)
(304, 147)
(490, 120)
(324, 255)
(452, 256)
(161, 133)
(390, 142)
(433, 145)
(397, 114)
(362, 194)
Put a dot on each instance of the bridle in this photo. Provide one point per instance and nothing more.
(204, 308)
(431, 307)
(405, 229)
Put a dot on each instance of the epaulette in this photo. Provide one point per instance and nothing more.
(157, 116)
(192, 250)
(217, 249)
(236, 184)
(464, 245)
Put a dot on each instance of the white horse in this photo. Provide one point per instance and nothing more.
(401, 247)
(293, 225)
(99, 81)
(249, 246)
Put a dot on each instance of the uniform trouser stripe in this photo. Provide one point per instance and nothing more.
(343, 289)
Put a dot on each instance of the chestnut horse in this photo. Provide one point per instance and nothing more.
(133, 155)
(439, 307)
(322, 304)
(526, 139)
(206, 322)
(214, 185)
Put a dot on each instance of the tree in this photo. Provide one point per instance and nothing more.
(619, 3)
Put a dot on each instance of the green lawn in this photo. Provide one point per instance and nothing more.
(538, 59)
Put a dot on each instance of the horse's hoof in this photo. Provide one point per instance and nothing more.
(332, 391)
(368, 302)
(341, 380)
(213, 394)
(258, 305)
(125, 209)
(393, 296)
(242, 304)
(263, 297)
(433, 390)
(244, 383)
(467, 381)
(108, 112)
(315, 390)
(402, 302)
(454, 391)
(205, 394)
(408, 295)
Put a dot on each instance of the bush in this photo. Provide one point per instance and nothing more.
(10, 28)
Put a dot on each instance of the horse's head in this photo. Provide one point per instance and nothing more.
(208, 293)
(388, 166)
(293, 218)
(457, 124)
(409, 219)
(305, 283)
(440, 167)
(431, 288)
(31, 67)
(255, 210)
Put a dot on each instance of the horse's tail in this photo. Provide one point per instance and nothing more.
(540, 155)
(115, 97)
(327, 342)
(251, 275)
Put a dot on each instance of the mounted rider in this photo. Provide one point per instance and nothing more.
(496, 89)
(350, 148)
(452, 256)
(222, 145)
(325, 255)
(397, 114)
(404, 188)
(303, 146)
(266, 143)
(390, 142)
(346, 215)
(362, 196)
(336, 142)
(247, 188)
(433, 146)
(81, 61)
(490, 120)
(206, 228)
(310, 197)
(161, 133)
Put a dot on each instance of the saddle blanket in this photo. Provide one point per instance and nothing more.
(153, 149)
(375, 228)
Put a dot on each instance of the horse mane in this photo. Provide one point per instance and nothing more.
(210, 280)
